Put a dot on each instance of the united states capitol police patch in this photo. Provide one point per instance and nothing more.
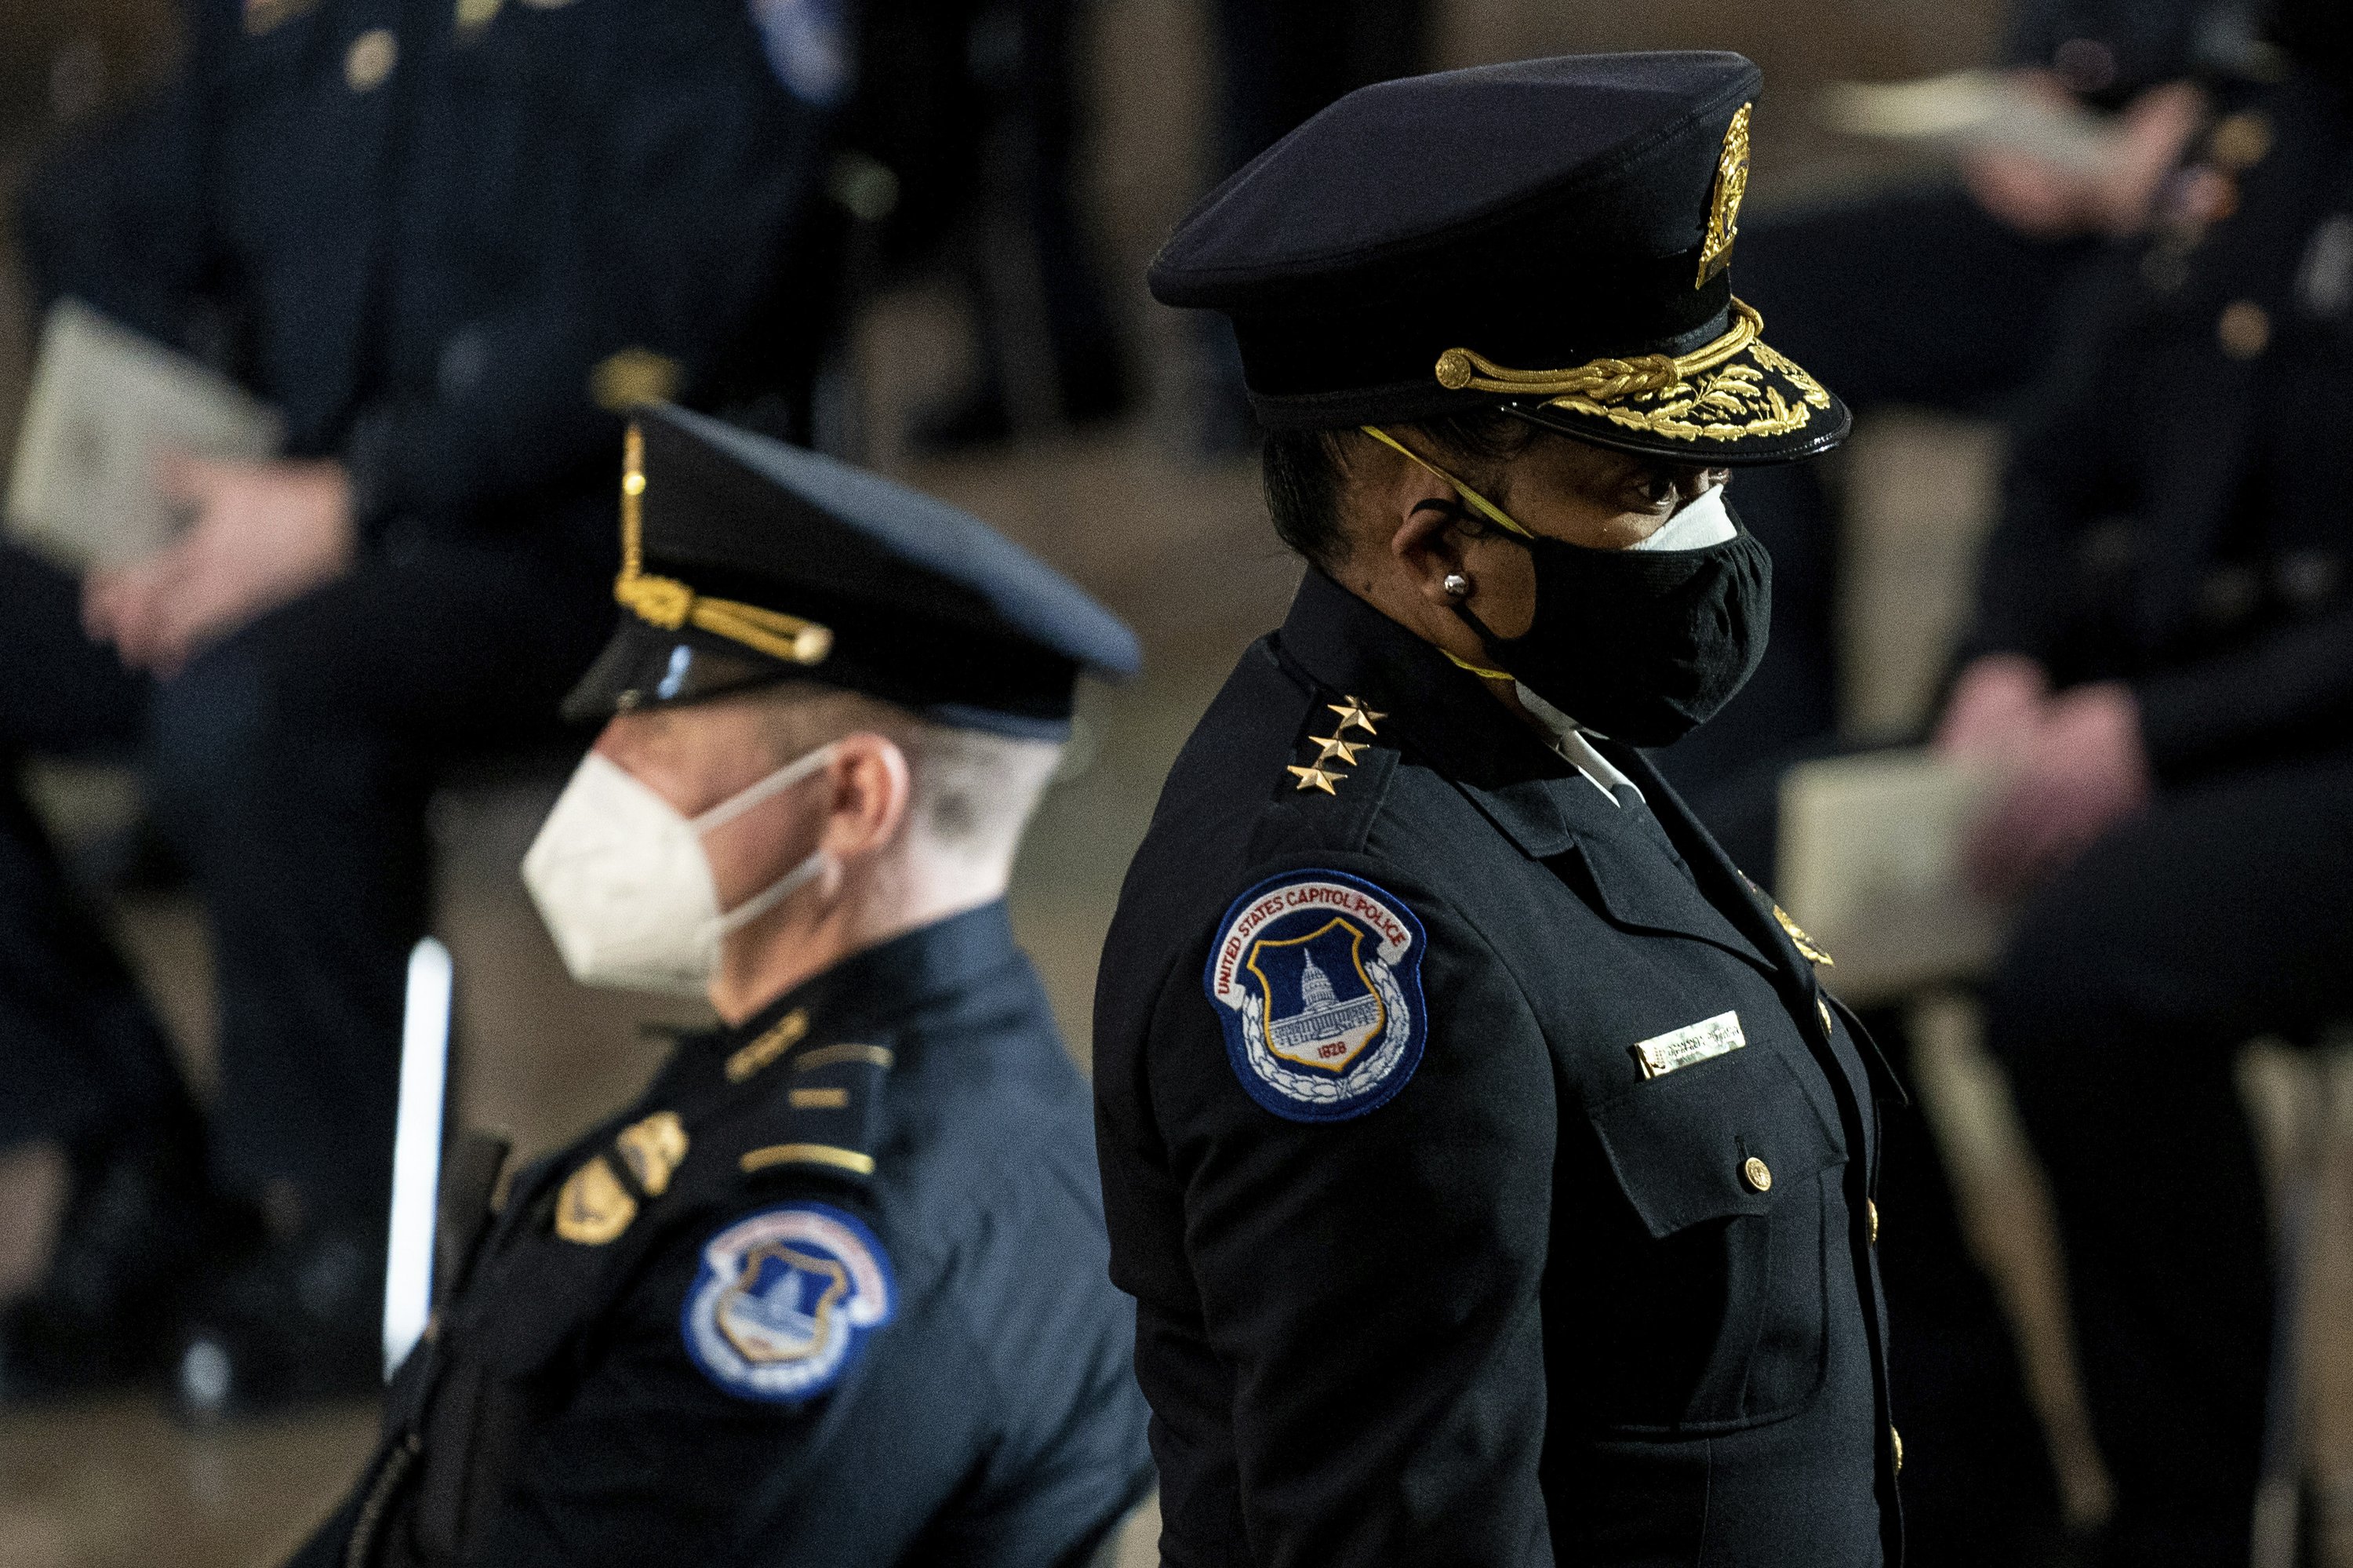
(1316, 977)
(785, 1302)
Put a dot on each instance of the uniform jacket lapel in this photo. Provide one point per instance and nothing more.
(1438, 715)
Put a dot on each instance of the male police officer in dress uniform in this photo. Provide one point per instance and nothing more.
(446, 240)
(2163, 659)
(1491, 1173)
(832, 1291)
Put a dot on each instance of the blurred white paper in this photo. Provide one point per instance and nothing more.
(106, 406)
(1971, 111)
(1872, 865)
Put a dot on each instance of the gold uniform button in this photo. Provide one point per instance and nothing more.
(2243, 329)
(1896, 1442)
(1823, 1009)
(1757, 1174)
(1871, 1220)
(370, 59)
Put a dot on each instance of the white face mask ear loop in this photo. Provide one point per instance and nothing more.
(767, 788)
(776, 893)
(727, 811)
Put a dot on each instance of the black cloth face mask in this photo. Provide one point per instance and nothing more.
(1642, 646)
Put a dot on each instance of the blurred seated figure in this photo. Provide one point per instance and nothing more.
(977, 108)
(2162, 660)
(1948, 295)
(837, 1283)
(1280, 61)
(447, 243)
(1943, 294)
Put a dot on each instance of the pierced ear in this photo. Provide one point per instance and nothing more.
(1428, 543)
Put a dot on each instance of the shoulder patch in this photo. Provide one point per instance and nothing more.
(1316, 977)
(785, 1301)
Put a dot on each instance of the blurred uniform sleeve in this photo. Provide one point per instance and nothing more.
(1369, 1326)
(119, 217)
(2296, 682)
(651, 1461)
(708, 168)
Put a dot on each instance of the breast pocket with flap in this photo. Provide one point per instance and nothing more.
(1727, 1165)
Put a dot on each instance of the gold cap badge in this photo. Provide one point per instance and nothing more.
(1723, 202)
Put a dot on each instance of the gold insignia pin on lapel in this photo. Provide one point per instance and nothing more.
(1807, 949)
(1353, 711)
(1346, 750)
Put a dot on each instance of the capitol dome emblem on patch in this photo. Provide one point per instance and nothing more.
(1317, 976)
(784, 1300)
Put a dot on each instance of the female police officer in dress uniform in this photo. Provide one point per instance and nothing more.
(1491, 1173)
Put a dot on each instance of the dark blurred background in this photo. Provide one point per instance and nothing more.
(1087, 426)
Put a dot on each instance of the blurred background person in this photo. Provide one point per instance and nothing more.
(447, 243)
(1951, 293)
(1277, 62)
(2161, 664)
(977, 109)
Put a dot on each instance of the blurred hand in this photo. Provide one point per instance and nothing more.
(2080, 770)
(2049, 201)
(264, 533)
(1996, 706)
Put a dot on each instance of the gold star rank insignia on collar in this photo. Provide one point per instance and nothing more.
(1346, 750)
(1313, 777)
(1353, 711)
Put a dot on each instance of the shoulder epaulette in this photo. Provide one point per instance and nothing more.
(1339, 771)
(823, 1115)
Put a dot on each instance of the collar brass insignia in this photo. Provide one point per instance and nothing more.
(1724, 203)
(779, 1038)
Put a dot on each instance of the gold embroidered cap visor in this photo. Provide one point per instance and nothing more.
(1556, 239)
(745, 562)
(1735, 401)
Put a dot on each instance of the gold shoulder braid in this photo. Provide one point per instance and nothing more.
(670, 604)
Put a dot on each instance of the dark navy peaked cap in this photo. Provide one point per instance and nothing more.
(1550, 236)
(746, 561)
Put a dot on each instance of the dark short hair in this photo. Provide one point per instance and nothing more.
(1304, 472)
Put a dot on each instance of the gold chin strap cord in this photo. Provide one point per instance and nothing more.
(1600, 380)
(670, 604)
(1471, 498)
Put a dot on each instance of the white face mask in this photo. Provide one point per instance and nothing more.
(622, 882)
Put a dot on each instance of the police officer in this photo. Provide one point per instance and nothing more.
(832, 1291)
(447, 241)
(1492, 1174)
(2163, 659)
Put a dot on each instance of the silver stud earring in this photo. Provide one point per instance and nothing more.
(1456, 585)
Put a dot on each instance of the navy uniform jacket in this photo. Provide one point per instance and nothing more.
(446, 239)
(2174, 515)
(1518, 1304)
(905, 1142)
